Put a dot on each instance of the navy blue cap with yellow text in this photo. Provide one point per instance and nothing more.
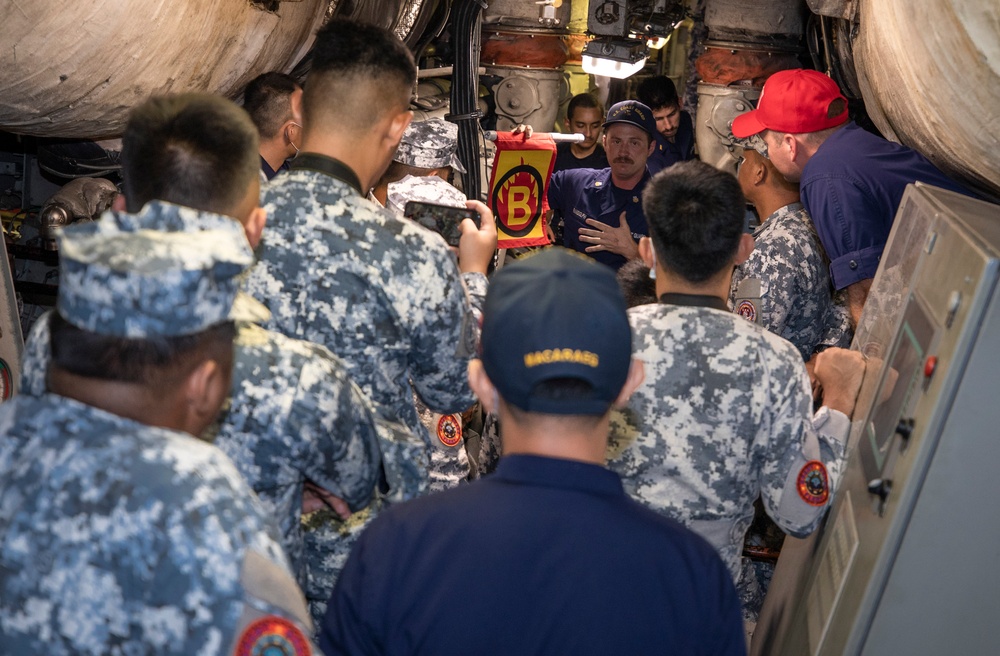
(556, 314)
(634, 113)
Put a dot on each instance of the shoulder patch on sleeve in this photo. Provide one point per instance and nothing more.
(272, 636)
(813, 483)
(747, 310)
(748, 297)
(449, 430)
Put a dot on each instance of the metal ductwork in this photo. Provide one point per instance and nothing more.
(75, 69)
(748, 40)
(524, 48)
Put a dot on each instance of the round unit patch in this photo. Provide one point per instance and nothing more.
(449, 430)
(812, 483)
(747, 310)
(272, 636)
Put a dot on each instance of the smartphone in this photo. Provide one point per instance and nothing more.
(442, 219)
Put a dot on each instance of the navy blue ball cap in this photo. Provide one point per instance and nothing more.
(634, 113)
(556, 314)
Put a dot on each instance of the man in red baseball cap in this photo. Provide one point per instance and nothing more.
(851, 180)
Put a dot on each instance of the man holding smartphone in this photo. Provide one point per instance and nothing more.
(383, 294)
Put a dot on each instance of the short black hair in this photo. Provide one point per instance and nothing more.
(695, 215)
(151, 361)
(636, 285)
(193, 149)
(559, 389)
(657, 92)
(358, 73)
(583, 101)
(267, 100)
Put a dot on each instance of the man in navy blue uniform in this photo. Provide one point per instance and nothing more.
(674, 129)
(601, 210)
(851, 180)
(555, 555)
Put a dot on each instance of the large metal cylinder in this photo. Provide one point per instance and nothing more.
(930, 75)
(527, 54)
(748, 40)
(73, 69)
(519, 13)
(755, 20)
(718, 105)
(529, 96)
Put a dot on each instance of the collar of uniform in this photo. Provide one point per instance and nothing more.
(328, 166)
(266, 168)
(775, 217)
(559, 473)
(695, 300)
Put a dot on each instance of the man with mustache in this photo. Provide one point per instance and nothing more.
(601, 209)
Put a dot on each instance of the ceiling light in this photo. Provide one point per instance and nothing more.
(614, 58)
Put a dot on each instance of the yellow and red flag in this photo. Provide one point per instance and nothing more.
(521, 171)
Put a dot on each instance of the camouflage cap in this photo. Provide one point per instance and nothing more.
(166, 271)
(426, 189)
(753, 142)
(430, 144)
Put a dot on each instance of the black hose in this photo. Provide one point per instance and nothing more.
(465, 112)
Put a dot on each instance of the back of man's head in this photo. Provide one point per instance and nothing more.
(359, 73)
(583, 101)
(196, 149)
(657, 92)
(556, 338)
(695, 214)
(267, 99)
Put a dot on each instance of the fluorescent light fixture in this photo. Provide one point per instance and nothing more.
(614, 58)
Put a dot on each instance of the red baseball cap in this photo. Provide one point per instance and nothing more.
(796, 101)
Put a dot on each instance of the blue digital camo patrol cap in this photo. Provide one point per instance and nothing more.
(753, 142)
(556, 314)
(166, 271)
(430, 144)
(634, 113)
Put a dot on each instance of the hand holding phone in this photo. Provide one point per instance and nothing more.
(479, 244)
(442, 219)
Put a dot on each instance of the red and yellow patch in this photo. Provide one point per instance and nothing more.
(747, 310)
(813, 484)
(272, 636)
(449, 430)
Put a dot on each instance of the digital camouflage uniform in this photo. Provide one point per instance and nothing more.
(122, 538)
(424, 188)
(430, 144)
(382, 293)
(447, 428)
(385, 295)
(724, 414)
(795, 299)
(293, 414)
(329, 540)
